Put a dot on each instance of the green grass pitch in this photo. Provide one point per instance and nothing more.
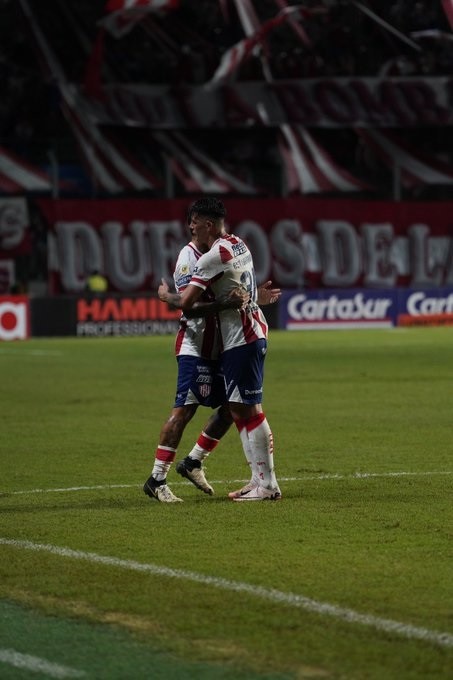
(349, 577)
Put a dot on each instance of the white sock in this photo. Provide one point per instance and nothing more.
(261, 450)
(165, 456)
(203, 447)
(246, 446)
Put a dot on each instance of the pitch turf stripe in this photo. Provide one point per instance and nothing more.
(308, 478)
(270, 594)
(37, 665)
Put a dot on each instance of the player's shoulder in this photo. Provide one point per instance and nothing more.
(185, 264)
(230, 246)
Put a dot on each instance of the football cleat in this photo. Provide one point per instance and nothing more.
(160, 491)
(258, 493)
(240, 492)
(192, 470)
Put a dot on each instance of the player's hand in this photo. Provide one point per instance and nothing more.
(238, 298)
(163, 290)
(268, 295)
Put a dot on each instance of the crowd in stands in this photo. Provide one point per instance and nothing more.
(185, 46)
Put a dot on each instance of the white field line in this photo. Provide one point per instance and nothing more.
(32, 352)
(344, 614)
(307, 478)
(37, 665)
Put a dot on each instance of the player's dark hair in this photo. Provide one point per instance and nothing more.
(209, 207)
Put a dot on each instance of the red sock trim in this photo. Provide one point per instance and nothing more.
(165, 454)
(254, 421)
(250, 423)
(206, 442)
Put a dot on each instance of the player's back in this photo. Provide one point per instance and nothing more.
(235, 268)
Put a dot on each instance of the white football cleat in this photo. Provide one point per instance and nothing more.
(193, 471)
(161, 492)
(165, 495)
(258, 493)
(240, 492)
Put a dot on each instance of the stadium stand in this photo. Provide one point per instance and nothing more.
(61, 126)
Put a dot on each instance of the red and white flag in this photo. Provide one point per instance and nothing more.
(256, 34)
(309, 168)
(415, 168)
(295, 25)
(196, 171)
(19, 177)
(110, 165)
(122, 15)
(231, 61)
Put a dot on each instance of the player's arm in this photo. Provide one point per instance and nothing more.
(188, 300)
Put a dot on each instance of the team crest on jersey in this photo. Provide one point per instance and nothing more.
(205, 390)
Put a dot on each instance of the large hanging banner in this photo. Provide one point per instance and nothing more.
(321, 102)
(297, 243)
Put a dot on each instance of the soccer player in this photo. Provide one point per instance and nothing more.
(199, 382)
(227, 265)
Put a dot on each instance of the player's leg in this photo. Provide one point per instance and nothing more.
(191, 466)
(244, 367)
(186, 404)
(156, 485)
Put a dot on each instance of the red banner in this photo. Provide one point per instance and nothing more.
(295, 242)
(320, 102)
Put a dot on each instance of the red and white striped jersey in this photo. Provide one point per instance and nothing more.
(195, 337)
(228, 265)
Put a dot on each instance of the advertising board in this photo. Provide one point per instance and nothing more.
(329, 309)
(14, 317)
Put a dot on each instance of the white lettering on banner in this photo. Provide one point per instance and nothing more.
(341, 249)
(121, 328)
(420, 304)
(300, 308)
(429, 262)
(335, 253)
(377, 241)
(329, 102)
(288, 246)
(13, 321)
(125, 257)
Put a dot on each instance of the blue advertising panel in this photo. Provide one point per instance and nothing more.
(425, 307)
(321, 309)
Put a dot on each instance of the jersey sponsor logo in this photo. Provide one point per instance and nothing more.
(239, 248)
(204, 379)
(182, 281)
